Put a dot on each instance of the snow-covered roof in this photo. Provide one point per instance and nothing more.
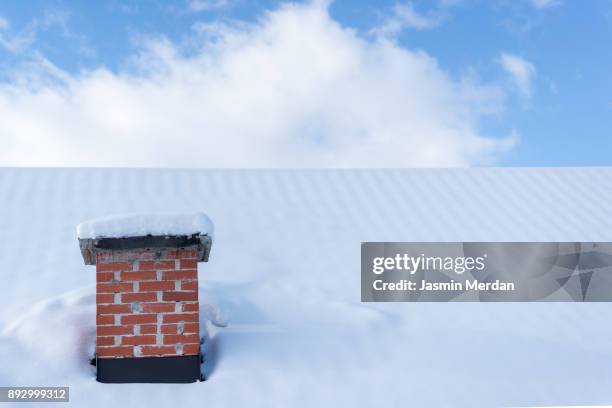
(137, 225)
(285, 275)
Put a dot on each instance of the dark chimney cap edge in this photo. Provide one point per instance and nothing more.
(89, 246)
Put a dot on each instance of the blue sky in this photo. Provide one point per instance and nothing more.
(545, 67)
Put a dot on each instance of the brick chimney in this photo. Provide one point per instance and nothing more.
(147, 310)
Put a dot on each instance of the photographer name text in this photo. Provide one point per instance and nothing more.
(413, 264)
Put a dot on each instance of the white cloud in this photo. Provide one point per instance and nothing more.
(23, 39)
(404, 16)
(521, 71)
(4, 24)
(207, 5)
(295, 89)
(15, 42)
(545, 3)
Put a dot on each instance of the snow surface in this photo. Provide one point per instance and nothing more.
(137, 225)
(284, 279)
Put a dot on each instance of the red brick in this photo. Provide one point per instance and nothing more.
(191, 349)
(114, 287)
(186, 274)
(171, 254)
(189, 285)
(156, 265)
(155, 286)
(105, 319)
(117, 351)
(125, 255)
(181, 338)
(105, 276)
(180, 317)
(189, 254)
(138, 297)
(178, 296)
(103, 256)
(105, 341)
(192, 328)
(110, 309)
(148, 329)
(139, 318)
(190, 307)
(158, 350)
(137, 340)
(169, 328)
(182, 253)
(172, 328)
(158, 307)
(114, 266)
(105, 298)
(189, 264)
(114, 330)
(138, 276)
